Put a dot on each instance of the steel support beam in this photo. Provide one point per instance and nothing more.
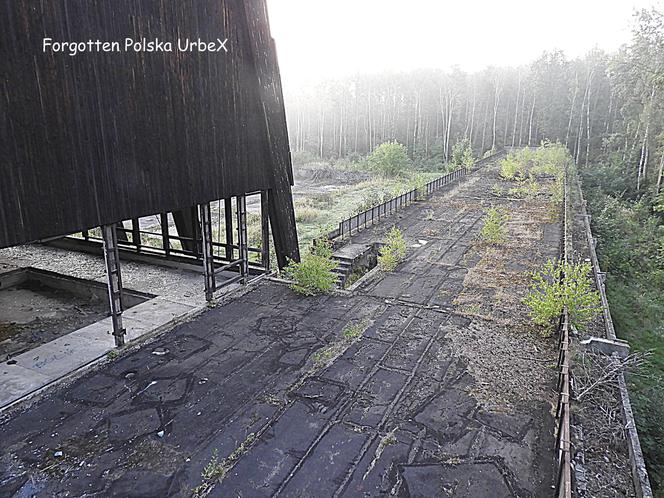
(112, 259)
(136, 233)
(121, 234)
(228, 213)
(241, 202)
(265, 230)
(186, 222)
(165, 235)
(208, 261)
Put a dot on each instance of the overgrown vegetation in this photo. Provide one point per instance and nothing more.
(608, 110)
(354, 331)
(350, 334)
(217, 469)
(630, 233)
(494, 230)
(558, 285)
(389, 159)
(113, 354)
(550, 158)
(313, 275)
(393, 250)
(462, 154)
(319, 212)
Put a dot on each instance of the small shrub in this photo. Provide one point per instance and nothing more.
(509, 167)
(462, 154)
(313, 275)
(497, 190)
(419, 183)
(494, 230)
(549, 294)
(526, 190)
(558, 192)
(254, 230)
(372, 199)
(393, 252)
(389, 159)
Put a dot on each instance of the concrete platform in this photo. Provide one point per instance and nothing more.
(422, 382)
(30, 372)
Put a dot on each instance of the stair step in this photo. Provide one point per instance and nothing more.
(343, 259)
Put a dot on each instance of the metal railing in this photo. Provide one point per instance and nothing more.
(373, 214)
(563, 442)
(387, 208)
(227, 253)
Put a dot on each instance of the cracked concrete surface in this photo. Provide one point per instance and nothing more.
(403, 410)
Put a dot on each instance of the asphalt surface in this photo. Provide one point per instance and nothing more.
(286, 398)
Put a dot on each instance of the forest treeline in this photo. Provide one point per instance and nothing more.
(597, 105)
(607, 108)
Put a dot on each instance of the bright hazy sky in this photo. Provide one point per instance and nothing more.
(318, 39)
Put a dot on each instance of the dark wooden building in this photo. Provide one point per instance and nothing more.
(112, 110)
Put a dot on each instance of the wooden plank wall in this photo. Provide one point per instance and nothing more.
(101, 137)
(282, 212)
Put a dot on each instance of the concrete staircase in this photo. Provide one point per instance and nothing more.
(343, 270)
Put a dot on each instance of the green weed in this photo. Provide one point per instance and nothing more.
(550, 293)
(494, 230)
(393, 251)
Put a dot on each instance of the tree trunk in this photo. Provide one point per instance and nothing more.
(523, 117)
(450, 105)
(579, 137)
(530, 125)
(660, 174)
(516, 109)
(496, 101)
(571, 109)
(486, 111)
(472, 115)
(321, 134)
(588, 120)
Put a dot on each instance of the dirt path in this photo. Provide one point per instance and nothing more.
(445, 393)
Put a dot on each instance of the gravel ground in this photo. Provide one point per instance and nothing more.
(182, 285)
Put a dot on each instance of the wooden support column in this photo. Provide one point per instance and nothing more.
(208, 261)
(265, 230)
(112, 259)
